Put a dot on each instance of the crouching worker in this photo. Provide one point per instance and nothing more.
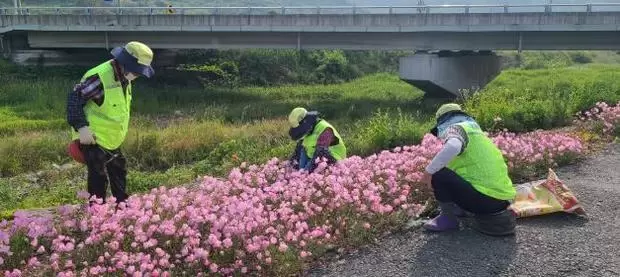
(469, 175)
(98, 110)
(316, 139)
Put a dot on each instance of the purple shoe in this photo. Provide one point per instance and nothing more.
(442, 223)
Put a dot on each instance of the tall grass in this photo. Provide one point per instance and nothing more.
(174, 126)
(180, 133)
(544, 98)
(185, 150)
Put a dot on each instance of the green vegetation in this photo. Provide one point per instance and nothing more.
(263, 67)
(181, 126)
(228, 107)
(544, 98)
(181, 132)
(556, 59)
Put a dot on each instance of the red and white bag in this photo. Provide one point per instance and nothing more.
(545, 197)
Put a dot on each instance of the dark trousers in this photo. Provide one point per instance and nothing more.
(105, 166)
(450, 187)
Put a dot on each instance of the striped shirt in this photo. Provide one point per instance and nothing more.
(91, 89)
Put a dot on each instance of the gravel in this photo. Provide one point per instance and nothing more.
(552, 245)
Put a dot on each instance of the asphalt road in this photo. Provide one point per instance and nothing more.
(550, 245)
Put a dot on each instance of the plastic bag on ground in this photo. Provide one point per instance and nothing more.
(545, 197)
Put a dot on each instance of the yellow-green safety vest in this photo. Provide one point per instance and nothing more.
(482, 165)
(110, 121)
(338, 151)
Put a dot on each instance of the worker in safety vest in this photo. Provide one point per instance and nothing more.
(98, 111)
(316, 138)
(469, 176)
(170, 10)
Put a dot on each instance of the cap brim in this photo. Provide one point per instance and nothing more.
(117, 51)
(130, 63)
(146, 70)
(434, 130)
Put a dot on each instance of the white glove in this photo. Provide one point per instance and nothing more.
(86, 136)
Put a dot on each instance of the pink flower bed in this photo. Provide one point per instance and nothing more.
(607, 117)
(540, 149)
(265, 220)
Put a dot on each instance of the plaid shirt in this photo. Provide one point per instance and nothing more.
(326, 138)
(457, 132)
(90, 89)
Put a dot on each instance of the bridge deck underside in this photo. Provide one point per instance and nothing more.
(593, 40)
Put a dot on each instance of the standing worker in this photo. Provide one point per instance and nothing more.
(170, 10)
(98, 110)
(469, 173)
(316, 138)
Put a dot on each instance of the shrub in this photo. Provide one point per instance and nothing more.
(533, 99)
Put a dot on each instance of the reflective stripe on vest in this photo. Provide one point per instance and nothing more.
(338, 151)
(482, 165)
(110, 121)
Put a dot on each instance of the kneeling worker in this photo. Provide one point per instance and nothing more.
(469, 173)
(316, 138)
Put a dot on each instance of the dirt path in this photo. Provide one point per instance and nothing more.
(552, 245)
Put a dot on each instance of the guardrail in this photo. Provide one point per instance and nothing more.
(303, 10)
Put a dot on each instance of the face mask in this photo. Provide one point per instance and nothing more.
(130, 76)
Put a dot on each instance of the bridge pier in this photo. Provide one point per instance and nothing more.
(7, 45)
(3, 46)
(447, 75)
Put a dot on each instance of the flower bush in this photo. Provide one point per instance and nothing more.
(602, 118)
(531, 153)
(262, 219)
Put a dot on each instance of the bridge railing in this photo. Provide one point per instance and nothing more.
(310, 10)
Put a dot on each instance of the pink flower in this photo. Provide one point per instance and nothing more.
(283, 247)
(213, 267)
(33, 262)
(83, 195)
(228, 243)
(252, 210)
(303, 254)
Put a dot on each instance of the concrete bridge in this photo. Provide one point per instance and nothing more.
(422, 28)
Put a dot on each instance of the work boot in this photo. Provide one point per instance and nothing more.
(445, 221)
(502, 223)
